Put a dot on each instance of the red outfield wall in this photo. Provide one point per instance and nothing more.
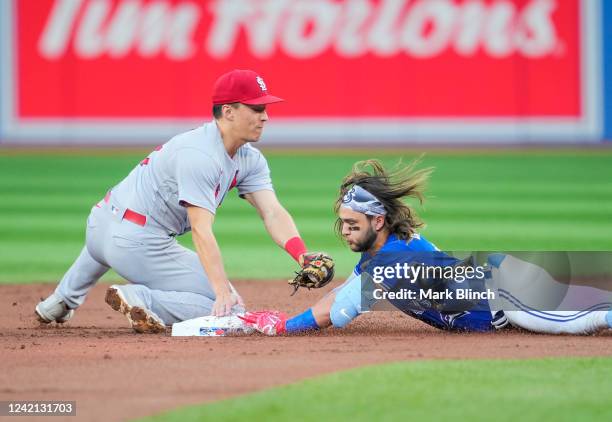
(351, 71)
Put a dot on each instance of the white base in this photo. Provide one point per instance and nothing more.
(210, 326)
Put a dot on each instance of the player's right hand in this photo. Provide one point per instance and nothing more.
(270, 323)
(224, 303)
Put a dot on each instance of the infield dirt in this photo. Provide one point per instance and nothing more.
(115, 374)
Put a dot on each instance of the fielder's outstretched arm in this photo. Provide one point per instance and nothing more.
(206, 246)
(278, 222)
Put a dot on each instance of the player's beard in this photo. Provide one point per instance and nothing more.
(369, 238)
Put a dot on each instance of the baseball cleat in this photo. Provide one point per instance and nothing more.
(141, 319)
(53, 309)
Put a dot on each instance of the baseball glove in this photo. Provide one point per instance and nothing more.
(317, 271)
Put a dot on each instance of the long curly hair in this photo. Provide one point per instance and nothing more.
(390, 187)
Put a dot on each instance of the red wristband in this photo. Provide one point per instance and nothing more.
(295, 247)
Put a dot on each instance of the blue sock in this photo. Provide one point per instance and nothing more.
(302, 322)
(609, 318)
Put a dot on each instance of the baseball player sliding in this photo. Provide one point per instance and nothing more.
(178, 188)
(374, 221)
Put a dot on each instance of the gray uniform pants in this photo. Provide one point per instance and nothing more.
(165, 277)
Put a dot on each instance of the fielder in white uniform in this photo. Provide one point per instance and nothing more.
(176, 189)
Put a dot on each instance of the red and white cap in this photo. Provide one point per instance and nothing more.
(242, 86)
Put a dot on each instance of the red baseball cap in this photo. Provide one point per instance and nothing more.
(242, 86)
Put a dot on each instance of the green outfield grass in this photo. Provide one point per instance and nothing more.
(491, 200)
(478, 200)
(570, 389)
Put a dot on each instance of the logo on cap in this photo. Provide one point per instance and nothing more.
(261, 83)
(242, 86)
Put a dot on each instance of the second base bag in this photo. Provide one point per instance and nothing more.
(211, 326)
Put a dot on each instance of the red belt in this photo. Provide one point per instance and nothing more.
(130, 215)
(135, 217)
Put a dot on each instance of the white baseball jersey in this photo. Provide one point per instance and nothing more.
(192, 168)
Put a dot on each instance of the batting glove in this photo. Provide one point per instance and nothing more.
(268, 322)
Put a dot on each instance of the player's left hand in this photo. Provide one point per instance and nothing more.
(268, 322)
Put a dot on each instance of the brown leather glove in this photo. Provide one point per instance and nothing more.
(317, 271)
